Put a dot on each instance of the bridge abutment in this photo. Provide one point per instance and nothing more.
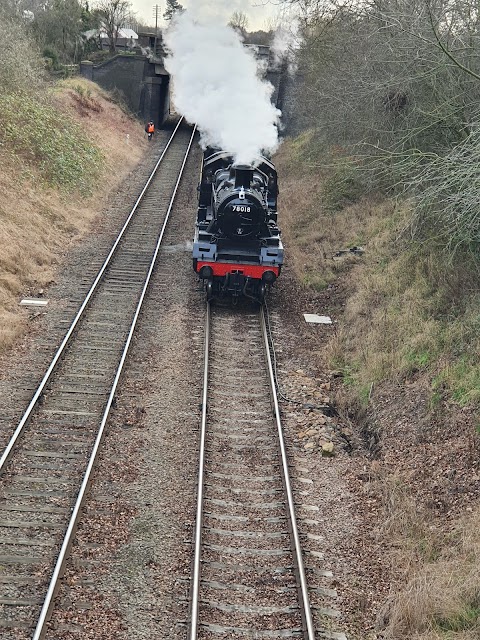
(142, 83)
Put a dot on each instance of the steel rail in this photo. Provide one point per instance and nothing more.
(301, 577)
(201, 486)
(26, 416)
(305, 598)
(40, 629)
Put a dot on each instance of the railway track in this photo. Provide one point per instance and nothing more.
(46, 467)
(249, 578)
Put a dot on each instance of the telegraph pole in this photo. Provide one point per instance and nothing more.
(156, 10)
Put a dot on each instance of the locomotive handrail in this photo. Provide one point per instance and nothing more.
(40, 389)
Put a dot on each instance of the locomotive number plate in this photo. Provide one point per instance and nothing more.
(241, 209)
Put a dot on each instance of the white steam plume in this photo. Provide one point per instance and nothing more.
(216, 86)
(285, 44)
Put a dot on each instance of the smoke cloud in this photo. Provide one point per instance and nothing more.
(285, 43)
(216, 85)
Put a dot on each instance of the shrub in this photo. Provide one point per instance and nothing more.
(447, 188)
(52, 56)
(341, 189)
(21, 66)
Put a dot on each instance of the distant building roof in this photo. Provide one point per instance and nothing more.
(128, 34)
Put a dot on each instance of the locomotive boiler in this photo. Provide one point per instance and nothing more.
(237, 249)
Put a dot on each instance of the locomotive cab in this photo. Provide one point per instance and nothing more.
(237, 247)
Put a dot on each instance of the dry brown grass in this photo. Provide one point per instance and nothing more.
(440, 596)
(385, 318)
(37, 225)
(407, 310)
(401, 320)
(366, 343)
(106, 124)
(311, 232)
(441, 600)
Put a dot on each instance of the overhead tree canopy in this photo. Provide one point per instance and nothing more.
(173, 7)
(58, 28)
(395, 87)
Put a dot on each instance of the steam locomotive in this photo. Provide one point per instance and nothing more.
(237, 249)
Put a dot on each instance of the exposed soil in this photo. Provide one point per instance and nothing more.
(39, 225)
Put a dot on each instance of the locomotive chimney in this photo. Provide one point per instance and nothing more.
(243, 175)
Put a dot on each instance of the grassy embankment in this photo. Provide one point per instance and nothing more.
(409, 313)
(410, 308)
(63, 149)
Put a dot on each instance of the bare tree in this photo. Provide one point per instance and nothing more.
(239, 22)
(394, 85)
(308, 10)
(375, 74)
(58, 28)
(18, 7)
(114, 15)
(21, 67)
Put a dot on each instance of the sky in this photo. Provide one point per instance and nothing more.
(258, 11)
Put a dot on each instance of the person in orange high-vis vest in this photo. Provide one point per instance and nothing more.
(150, 129)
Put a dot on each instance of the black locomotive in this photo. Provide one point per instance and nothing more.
(237, 249)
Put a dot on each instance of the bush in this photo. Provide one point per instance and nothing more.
(341, 189)
(447, 188)
(52, 56)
